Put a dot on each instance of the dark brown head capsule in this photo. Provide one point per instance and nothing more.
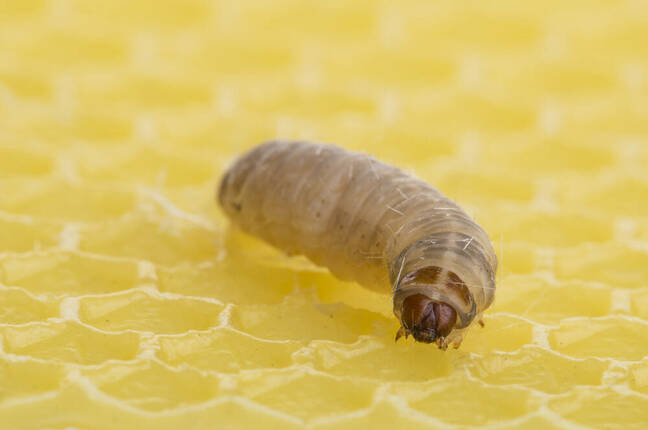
(424, 313)
(425, 319)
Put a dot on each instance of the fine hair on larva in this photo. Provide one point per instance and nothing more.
(368, 222)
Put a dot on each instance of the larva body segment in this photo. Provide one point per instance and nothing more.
(371, 223)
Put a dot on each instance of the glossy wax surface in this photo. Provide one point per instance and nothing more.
(127, 301)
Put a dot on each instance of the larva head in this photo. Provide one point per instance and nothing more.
(425, 304)
(425, 319)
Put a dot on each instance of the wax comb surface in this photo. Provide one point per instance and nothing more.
(128, 302)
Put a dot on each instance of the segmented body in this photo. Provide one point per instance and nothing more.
(363, 219)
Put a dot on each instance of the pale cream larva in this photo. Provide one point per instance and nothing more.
(371, 223)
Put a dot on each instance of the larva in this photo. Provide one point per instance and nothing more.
(371, 223)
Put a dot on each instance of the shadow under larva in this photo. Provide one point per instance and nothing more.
(371, 223)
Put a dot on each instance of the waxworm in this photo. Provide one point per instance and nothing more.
(368, 222)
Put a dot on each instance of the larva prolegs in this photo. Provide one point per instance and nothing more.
(368, 222)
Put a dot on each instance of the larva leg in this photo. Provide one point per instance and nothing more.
(456, 342)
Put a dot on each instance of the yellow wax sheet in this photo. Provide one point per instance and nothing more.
(128, 302)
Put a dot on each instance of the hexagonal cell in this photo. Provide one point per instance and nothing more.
(639, 303)
(228, 413)
(528, 224)
(18, 162)
(560, 154)
(501, 333)
(158, 169)
(236, 281)
(16, 191)
(169, 241)
(61, 274)
(225, 350)
(382, 360)
(298, 318)
(22, 237)
(141, 312)
(143, 91)
(469, 186)
(309, 396)
(28, 378)
(547, 302)
(514, 257)
(461, 401)
(172, 14)
(639, 376)
(254, 276)
(241, 248)
(53, 411)
(63, 202)
(92, 125)
(152, 386)
(613, 117)
(198, 132)
(26, 86)
(17, 307)
(612, 264)
(556, 230)
(69, 342)
(193, 199)
(293, 102)
(90, 160)
(416, 71)
(331, 290)
(616, 338)
(470, 111)
(602, 407)
(382, 414)
(385, 143)
(74, 407)
(22, 9)
(544, 422)
(640, 228)
(539, 369)
(53, 46)
(615, 197)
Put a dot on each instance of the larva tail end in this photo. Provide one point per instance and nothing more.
(426, 320)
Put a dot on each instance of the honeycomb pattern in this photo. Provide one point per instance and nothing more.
(127, 301)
